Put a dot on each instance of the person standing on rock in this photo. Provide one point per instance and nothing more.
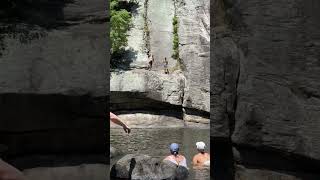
(175, 157)
(115, 119)
(151, 61)
(202, 158)
(166, 70)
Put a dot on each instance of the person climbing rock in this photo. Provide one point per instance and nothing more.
(175, 157)
(166, 70)
(8, 172)
(115, 119)
(202, 158)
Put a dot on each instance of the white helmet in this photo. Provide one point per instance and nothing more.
(200, 145)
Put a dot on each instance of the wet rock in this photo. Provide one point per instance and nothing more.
(135, 166)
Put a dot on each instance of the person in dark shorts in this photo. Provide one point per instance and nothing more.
(166, 70)
(151, 61)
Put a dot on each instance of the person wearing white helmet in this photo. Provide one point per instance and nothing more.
(202, 158)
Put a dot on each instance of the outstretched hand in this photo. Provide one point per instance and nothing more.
(126, 129)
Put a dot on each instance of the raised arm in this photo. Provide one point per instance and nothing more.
(115, 119)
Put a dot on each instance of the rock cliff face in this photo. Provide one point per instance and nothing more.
(194, 38)
(265, 87)
(186, 91)
(53, 77)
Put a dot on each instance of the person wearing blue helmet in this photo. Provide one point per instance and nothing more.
(175, 157)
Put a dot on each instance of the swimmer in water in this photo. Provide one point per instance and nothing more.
(175, 157)
(202, 159)
(115, 119)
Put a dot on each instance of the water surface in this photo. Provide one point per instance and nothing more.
(156, 141)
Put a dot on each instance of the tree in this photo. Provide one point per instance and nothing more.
(120, 24)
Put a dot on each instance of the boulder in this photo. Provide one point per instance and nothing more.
(139, 166)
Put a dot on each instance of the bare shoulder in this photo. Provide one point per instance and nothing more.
(196, 156)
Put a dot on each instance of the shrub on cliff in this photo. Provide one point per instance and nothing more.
(175, 54)
(120, 24)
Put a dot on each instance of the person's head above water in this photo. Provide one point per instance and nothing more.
(174, 148)
(201, 146)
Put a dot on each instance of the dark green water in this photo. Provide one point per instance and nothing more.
(155, 142)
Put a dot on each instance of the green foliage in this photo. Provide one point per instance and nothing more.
(114, 4)
(175, 54)
(120, 24)
(175, 21)
(175, 29)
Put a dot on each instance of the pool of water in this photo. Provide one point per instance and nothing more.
(155, 142)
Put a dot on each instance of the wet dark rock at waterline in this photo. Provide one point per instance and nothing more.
(139, 166)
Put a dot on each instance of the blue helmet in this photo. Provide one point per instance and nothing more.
(174, 147)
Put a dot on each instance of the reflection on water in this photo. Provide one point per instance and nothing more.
(155, 142)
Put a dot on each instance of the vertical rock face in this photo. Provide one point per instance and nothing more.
(53, 76)
(59, 55)
(160, 14)
(189, 88)
(194, 39)
(265, 89)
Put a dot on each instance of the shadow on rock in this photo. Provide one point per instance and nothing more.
(123, 59)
